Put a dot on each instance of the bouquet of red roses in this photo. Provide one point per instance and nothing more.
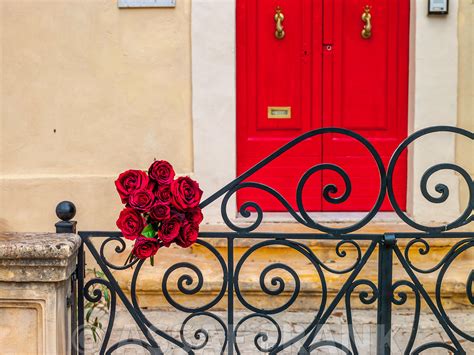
(159, 209)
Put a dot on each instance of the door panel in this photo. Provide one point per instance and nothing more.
(278, 73)
(367, 94)
(280, 64)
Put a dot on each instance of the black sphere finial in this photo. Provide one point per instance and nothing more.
(65, 210)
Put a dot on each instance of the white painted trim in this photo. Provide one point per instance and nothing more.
(432, 99)
(214, 97)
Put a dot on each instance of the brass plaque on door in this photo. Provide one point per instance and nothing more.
(279, 112)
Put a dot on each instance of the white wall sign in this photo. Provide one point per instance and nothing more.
(146, 3)
(438, 7)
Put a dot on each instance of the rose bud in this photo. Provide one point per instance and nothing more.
(185, 193)
(194, 216)
(160, 212)
(142, 200)
(130, 222)
(188, 235)
(169, 230)
(163, 194)
(145, 247)
(130, 181)
(162, 172)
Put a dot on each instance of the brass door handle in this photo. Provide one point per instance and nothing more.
(279, 17)
(366, 17)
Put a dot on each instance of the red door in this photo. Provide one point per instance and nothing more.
(318, 71)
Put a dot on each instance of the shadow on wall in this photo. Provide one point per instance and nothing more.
(4, 225)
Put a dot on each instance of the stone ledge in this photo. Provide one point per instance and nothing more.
(40, 257)
(374, 227)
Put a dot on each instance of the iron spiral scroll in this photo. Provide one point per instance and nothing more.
(397, 256)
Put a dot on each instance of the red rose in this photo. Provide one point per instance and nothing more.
(129, 181)
(185, 193)
(178, 214)
(142, 200)
(169, 230)
(162, 172)
(188, 235)
(160, 212)
(194, 216)
(163, 194)
(145, 247)
(131, 223)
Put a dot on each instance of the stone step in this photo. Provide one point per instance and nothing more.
(150, 279)
(149, 286)
(150, 294)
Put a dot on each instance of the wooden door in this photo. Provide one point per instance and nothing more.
(327, 75)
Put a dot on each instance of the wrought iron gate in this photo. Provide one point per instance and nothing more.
(384, 294)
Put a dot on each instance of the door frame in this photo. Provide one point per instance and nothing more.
(432, 100)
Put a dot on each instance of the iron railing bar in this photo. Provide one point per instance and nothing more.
(385, 295)
(92, 234)
(418, 235)
(280, 235)
(317, 236)
(80, 270)
(230, 296)
(73, 307)
(254, 235)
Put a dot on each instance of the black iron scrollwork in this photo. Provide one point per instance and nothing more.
(400, 298)
(202, 334)
(329, 192)
(282, 282)
(366, 299)
(442, 189)
(120, 248)
(437, 306)
(260, 336)
(95, 297)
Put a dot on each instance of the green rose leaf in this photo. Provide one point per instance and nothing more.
(149, 231)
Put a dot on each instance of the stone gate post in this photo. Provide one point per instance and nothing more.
(35, 289)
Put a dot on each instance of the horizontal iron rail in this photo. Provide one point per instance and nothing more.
(307, 236)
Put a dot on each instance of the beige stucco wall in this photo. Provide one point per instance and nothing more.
(87, 91)
(465, 149)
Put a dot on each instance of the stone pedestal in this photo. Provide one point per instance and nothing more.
(35, 283)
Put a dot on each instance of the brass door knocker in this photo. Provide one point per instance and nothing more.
(366, 16)
(279, 17)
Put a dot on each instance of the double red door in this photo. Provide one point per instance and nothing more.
(304, 64)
